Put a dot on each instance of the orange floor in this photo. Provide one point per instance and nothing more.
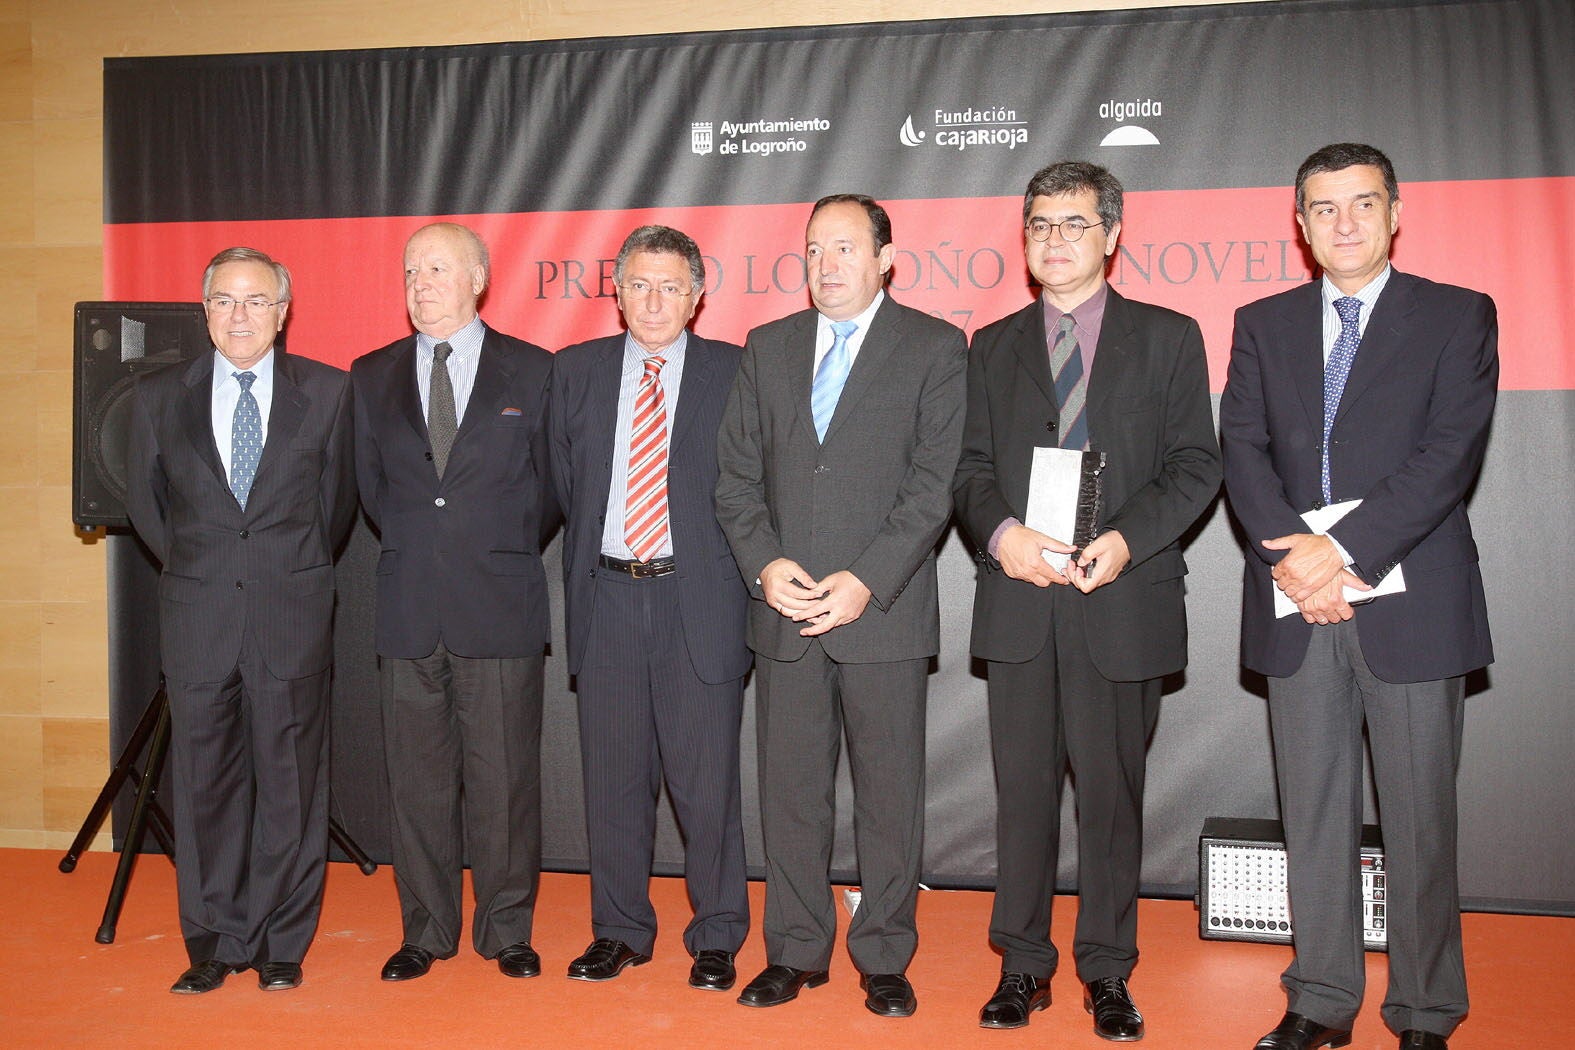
(61, 989)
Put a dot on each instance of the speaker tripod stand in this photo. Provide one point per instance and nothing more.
(146, 813)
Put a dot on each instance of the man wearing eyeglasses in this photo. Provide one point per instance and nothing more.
(1075, 658)
(451, 459)
(655, 610)
(240, 480)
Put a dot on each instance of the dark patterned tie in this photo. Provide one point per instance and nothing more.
(1336, 370)
(246, 439)
(1071, 386)
(645, 511)
(442, 422)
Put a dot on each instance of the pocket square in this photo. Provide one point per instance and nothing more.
(511, 412)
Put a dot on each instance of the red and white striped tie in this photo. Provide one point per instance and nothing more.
(645, 513)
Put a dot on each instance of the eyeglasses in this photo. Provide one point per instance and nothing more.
(1071, 229)
(224, 304)
(666, 291)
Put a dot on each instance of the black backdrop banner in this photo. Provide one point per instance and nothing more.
(554, 150)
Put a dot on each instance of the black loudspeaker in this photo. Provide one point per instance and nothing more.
(114, 343)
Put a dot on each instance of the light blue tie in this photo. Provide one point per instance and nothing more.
(1336, 370)
(833, 374)
(246, 439)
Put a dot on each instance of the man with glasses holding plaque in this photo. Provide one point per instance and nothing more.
(241, 483)
(1075, 656)
(655, 610)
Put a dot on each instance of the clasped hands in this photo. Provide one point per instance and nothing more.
(1313, 575)
(820, 605)
(1020, 552)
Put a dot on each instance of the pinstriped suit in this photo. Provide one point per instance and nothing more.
(246, 603)
(660, 662)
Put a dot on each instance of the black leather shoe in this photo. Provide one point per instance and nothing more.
(1115, 1016)
(408, 963)
(1415, 1039)
(278, 976)
(1017, 996)
(713, 970)
(203, 977)
(778, 984)
(888, 994)
(1296, 1032)
(519, 960)
(604, 960)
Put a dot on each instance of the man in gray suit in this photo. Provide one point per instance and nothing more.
(837, 453)
(655, 609)
(451, 458)
(240, 480)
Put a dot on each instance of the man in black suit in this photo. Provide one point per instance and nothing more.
(1075, 656)
(837, 452)
(655, 610)
(240, 481)
(1369, 392)
(451, 456)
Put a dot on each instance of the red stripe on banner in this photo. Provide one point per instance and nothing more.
(1203, 252)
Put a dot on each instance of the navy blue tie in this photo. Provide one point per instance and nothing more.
(246, 439)
(1336, 370)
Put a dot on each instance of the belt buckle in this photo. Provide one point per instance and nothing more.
(640, 570)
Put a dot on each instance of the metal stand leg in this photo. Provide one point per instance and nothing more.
(125, 769)
(139, 817)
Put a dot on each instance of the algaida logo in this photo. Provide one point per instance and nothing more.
(962, 129)
(763, 137)
(1122, 111)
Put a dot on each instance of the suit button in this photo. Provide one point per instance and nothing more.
(429, 457)
(1050, 425)
(239, 585)
(440, 502)
(246, 534)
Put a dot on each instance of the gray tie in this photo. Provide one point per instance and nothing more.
(1071, 385)
(442, 422)
(246, 439)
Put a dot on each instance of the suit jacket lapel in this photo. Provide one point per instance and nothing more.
(196, 411)
(599, 427)
(699, 372)
(799, 349)
(878, 345)
(405, 394)
(1033, 352)
(284, 417)
(493, 376)
(1302, 337)
(1382, 342)
(1116, 332)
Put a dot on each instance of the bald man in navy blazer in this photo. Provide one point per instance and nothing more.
(1366, 385)
(656, 611)
(451, 459)
(246, 605)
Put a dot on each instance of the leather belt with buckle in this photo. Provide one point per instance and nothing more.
(640, 570)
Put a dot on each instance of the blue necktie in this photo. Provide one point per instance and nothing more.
(833, 374)
(1336, 370)
(1071, 386)
(246, 439)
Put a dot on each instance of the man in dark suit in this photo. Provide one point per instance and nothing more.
(655, 610)
(451, 456)
(1075, 657)
(240, 481)
(1373, 388)
(837, 452)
